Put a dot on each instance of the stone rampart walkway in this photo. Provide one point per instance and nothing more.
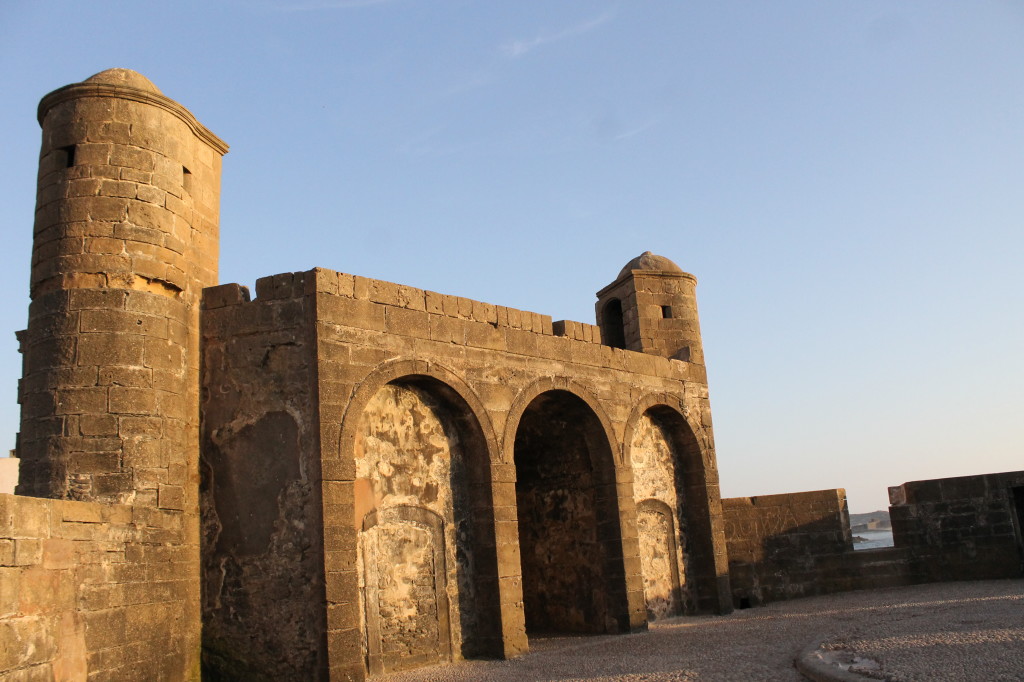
(949, 631)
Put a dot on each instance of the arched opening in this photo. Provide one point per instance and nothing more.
(670, 489)
(426, 552)
(613, 330)
(660, 558)
(569, 533)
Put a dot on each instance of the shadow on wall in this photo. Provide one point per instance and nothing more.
(799, 544)
(962, 528)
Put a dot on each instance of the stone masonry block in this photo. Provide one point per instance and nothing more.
(485, 312)
(162, 355)
(123, 322)
(323, 281)
(59, 554)
(521, 341)
(224, 295)
(361, 287)
(24, 517)
(31, 644)
(103, 245)
(434, 302)
(344, 645)
(110, 349)
(107, 299)
(338, 492)
(342, 617)
(351, 312)
(406, 322)
(171, 497)
(447, 329)
(342, 587)
(122, 400)
(105, 628)
(118, 188)
(141, 377)
(450, 305)
(485, 335)
(95, 462)
(28, 552)
(502, 315)
(346, 285)
(81, 401)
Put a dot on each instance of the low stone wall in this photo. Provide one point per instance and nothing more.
(798, 544)
(777, 545)
(963, 528)
(260, 504)
(96, 590)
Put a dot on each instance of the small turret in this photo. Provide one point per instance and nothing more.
(651, 307)
(125, 240)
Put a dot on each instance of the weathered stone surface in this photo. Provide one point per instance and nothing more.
(389, 476)
(962, 528)
(112, 276)
(774, 542)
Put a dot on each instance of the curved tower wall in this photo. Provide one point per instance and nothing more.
(126, 237)
(658, 313)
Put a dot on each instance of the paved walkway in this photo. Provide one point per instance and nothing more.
(949, 631)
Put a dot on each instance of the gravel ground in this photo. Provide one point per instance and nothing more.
(949, 631)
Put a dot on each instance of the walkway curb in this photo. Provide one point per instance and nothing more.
(813, 666)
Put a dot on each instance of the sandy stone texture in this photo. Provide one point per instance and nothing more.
(948, 631)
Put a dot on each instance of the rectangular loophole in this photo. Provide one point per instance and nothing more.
(666, 311)
(66, 156)
(186, 179)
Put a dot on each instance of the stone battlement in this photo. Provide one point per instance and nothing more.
(391, 308)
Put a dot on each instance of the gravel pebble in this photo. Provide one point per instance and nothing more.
(948, 631)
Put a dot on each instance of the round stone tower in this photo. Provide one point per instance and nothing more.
(651, 307)
(126, 237)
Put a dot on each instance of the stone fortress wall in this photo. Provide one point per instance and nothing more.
(799, 544)
(102, 541)
(344, 476)
(340, 476)
(461, 477)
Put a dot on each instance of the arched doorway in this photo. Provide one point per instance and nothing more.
(569, 533)
(423, 505)
(613, 327)
(669, 487)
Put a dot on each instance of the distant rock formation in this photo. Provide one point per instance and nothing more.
(876, 520)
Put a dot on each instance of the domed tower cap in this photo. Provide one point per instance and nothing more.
(131, 86)
(127, 77)
(650, 261)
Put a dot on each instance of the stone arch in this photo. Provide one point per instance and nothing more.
(663, 419)
(419, 531)
(557, 383)
(658, 531)
(570, 531)
(418, 440)
(396, 369)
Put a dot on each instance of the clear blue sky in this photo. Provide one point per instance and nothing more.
(846, 180)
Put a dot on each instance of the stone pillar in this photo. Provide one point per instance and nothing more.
(126, 237)
(651, 307)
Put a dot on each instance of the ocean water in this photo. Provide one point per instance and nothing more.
(874, 539)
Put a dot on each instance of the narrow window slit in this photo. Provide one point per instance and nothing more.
(66, 156)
